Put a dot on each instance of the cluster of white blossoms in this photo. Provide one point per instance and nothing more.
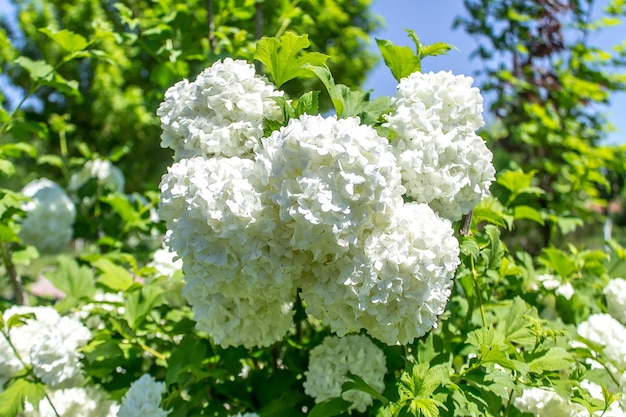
(334, 359)
(615, 294)
(143, 399)
(604, 330)
(73, 402)
(103, 171)
(48, 342)
(219, 114)
(50, 216)
(546, 402)
(317, 207)
(444, 162)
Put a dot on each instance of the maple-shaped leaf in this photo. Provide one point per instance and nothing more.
(284, 58)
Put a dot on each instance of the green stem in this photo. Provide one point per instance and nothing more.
(18, 291)
(479, 296)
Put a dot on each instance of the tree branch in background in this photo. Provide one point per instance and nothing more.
(466, 223)
(258, 30)
(211, 24)
(20, 296)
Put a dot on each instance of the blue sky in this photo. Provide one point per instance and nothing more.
(432, 22)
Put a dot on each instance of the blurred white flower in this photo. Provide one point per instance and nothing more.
(163, 260)
(444, 162)
(246, 415)
(49, 343)
(604, 330)
(615, 293)
(545, 402)
(50, 215)
(220, 113)
(332, 181)
(396, 286)
(330, 363)
(73, 402)
(143, 399)
(106, 174)
(566, 290)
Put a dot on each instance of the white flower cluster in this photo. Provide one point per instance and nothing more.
(615, 294)
(545, 402)
(50, 215)
(49, 343)
(551, 282)
(317, 206)
(73, 402)
(330, 363)
(106, 174)
(143, 399)
(219, 114)
(604, 330)
(444, 162)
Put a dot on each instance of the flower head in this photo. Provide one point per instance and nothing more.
(48, 342)
(604, 330)
(103, 171)
(334, 359)
(143, 398)
(219, 114)
(615, 293)
(396, 285)
(50, 215)
(444, 162)
(332, 180)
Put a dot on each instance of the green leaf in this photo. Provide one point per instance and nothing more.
(357, 383)
(284, 58)
(469, 246)
(401, 60)
(38, 70)
(329, 408)
(113, 276)
(17, 393)
(529, 213)
(70, 41)
(139, 303)
(308, 103)
(347, 103)
(53, 160)
(74, 281)
(554, 359)
(516, 325)
(560, 262)
(438, 48)
(18, 320)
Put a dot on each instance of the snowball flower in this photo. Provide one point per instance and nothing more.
(220, 113)
(396, 286)
(604, 330)
(103, 171)
(49, 343)
(73, 402)
(143, 399)
(239, 269)
(438, 101)
(246, 415)
(50, 215)
(545, 402)
(444, 162)
(615, 293)
(332, 180)
(330, 363)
